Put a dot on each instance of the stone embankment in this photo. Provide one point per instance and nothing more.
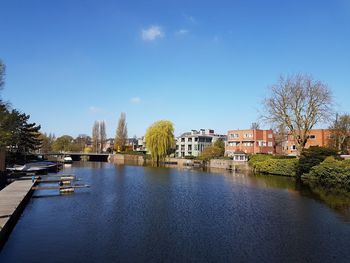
(179, 162)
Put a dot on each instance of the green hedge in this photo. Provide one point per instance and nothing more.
(331, 172)
(313, 156)
(256, 158)
(274, 165)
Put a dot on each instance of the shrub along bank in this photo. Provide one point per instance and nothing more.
(312, 157)
(331, 172)
(318, 164)
(277, 165)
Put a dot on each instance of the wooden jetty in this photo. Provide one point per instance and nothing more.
(62, 180)
(14, 197)
(60, 187)
(58, 175)
(65, 183)
(12, 202)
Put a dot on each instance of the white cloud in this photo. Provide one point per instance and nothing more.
(152, 33)
(182, 32)
(135, 100)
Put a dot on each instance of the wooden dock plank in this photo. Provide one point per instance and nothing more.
(12, 198)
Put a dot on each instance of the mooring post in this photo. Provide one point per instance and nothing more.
(2, 160)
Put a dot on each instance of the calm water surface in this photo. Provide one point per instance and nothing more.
(142, 214)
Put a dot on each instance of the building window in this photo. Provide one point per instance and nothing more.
(262, 143)
(312, 137)
(234, 135)
(182, 139)
(269, 136)
(269, 144)
(189, 148)
(196, 139)
(294, 147)
(189, 139)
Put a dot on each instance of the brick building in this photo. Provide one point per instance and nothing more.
(317, 137)
(250, 141)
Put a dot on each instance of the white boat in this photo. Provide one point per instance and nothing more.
(67, 159)
(34, 167)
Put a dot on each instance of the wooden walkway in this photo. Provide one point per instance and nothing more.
(12, 201)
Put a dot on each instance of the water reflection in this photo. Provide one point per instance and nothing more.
(336, 198)
(147, 214)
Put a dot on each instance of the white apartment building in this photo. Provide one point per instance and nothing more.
(194, 142)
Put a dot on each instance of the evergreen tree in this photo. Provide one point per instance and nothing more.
(21, 136)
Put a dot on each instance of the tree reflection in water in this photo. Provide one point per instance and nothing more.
(336, 198)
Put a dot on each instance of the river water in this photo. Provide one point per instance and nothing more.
(144, 214)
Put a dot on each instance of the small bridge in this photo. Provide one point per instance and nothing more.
(76, 156)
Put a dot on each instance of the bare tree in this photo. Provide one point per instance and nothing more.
(121, 134)
(340, 133)
(255, 126)
(95, 136)
(2, 74)
(103, 135)
(298, 102)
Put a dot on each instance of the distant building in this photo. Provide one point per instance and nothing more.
(317, 137)
(239, 156)
(140, 145)
(108, 145)
(131, 144)
(194, 142)
(249, 142)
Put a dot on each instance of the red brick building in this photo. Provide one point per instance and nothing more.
(250, 141)
(317, 137)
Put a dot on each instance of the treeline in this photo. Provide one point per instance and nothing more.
(97, 142)
(65, 143)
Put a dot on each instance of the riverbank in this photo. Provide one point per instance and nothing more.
(142, 160)
(316, 164)
(13, 199)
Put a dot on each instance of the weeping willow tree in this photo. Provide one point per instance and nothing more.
(159, 140)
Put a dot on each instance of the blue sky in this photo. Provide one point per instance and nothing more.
(200, 64)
